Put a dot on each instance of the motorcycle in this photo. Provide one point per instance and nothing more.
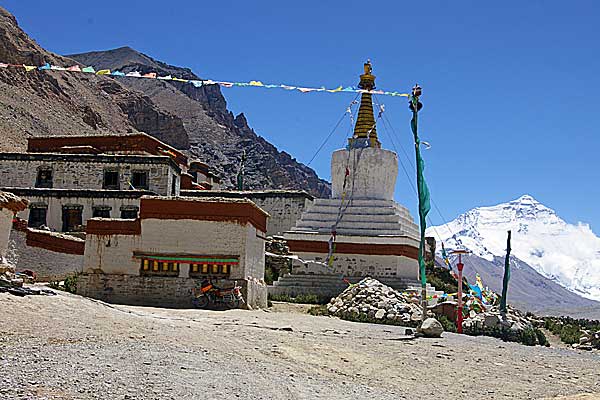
(208, 294)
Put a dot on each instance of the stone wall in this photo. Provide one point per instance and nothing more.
(112, 254)
(55, 205)
(86, 171)
(284, 206)
(6, 217)
(283, 211)
(357, 265)
(158, 291)
(48, 265)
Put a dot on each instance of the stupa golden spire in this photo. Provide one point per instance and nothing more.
(365, 131)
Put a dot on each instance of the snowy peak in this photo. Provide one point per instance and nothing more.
(568, 254)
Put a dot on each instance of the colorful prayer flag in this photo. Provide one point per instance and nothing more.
(151, 75)
(134, 74)
(103, 72)
(44, 67)
(89, 70)
(28, 67)
(165, 78)
(74, 68)
(2, 65)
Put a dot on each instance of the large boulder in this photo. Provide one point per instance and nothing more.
(431, 328)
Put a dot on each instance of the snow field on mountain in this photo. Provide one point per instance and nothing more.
(568, 254)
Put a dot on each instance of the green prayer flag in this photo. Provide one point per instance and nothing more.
(423, 192)
(506, 276)
(88, 69)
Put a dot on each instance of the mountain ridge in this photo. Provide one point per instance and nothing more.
(216, 135)
(195, 120)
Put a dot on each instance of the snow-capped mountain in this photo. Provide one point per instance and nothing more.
(565, 253)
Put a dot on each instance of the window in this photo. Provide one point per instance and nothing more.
(101, 212)
(44, 178)
(174, 185)
(72, 218)
(37, 216)
(139, 180)
(158, 268)
(129, 212)
(111, 180)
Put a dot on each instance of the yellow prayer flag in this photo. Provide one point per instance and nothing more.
(338, 89)
(28, 67)
(256, 83)
(103, 72)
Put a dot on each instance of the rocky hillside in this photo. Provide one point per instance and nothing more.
(39, 103)
(193, 119)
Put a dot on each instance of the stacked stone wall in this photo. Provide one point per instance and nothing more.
(48, 265)
(283, 211)
(55, 205)
(85, 173)
(158, 291)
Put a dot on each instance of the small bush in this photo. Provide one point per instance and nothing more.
(541, 338)
(529, 337)
(448, 324)
(570, 334)
(301, 298)
(69, 284)
(318, 310)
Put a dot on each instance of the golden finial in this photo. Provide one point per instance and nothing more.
(365, 130)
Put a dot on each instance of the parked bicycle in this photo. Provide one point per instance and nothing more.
(210, 295)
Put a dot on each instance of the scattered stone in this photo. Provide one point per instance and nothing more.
(431, 328)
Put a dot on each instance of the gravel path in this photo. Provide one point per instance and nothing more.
(69, 347)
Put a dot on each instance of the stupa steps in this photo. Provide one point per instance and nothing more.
(328, 285)
(361, 211)
(357, 218)
(341, 230)
(393, 226)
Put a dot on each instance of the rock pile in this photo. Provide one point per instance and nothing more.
(514, 320)
(589, 340)
(371, 300)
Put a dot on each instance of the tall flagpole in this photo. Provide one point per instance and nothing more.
(423, 192)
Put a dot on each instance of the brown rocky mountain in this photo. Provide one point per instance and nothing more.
(194, 119)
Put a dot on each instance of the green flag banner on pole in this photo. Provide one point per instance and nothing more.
(422, 189)
(506, 276)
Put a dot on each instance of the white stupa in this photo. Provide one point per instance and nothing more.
(374, 235)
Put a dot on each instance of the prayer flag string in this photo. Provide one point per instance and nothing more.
(200, 83)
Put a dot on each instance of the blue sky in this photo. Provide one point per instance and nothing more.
(510, 88)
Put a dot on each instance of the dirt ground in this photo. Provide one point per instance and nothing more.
(69, 347)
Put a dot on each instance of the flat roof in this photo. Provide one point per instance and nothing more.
(137, 141)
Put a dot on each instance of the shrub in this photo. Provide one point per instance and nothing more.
(448, 324)
(541, 338)
(301, 298)
(528, 337)
(69, 284)
(318, 310)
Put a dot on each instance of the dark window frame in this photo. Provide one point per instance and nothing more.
(110, 185)
(101, 212)
(138, 185)
(34, 210)
(42, 181)
(67, 212)
(127, 212)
